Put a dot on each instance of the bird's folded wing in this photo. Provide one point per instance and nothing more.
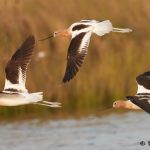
(143, 103)
(143, 83)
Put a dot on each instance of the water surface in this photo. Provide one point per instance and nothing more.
(111, 132)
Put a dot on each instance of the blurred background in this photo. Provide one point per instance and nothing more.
(108, 72)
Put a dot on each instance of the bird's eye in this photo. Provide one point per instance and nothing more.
(54, 34)
(114, 104)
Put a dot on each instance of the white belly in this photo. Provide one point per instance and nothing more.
(19, 99)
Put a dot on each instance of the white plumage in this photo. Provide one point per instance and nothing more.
(79, 42)
(15, 92)
(142, 89)
(142, 97)
(80, 33)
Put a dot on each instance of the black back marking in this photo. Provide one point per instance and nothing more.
(75, 43)
(144, 80)
(12, 90)
(79, 27)
(148, 94)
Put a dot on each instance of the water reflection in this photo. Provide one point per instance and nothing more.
(111, 132)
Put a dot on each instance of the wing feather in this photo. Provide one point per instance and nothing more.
(76, 53)
(143, 83)
(17, 66)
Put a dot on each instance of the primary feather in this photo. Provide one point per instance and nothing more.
(17, 66)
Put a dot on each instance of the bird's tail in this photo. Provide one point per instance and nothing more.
(121, 30)
(105, 27)
(36, 97)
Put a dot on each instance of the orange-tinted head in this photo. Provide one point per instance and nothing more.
(125, 104)
(63, 33)
(119, 104)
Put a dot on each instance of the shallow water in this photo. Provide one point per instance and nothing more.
(111, 132)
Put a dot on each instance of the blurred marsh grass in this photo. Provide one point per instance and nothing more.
(112, 63)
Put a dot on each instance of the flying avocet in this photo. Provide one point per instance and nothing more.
(15, 92)
(142, 99)
(81, 33)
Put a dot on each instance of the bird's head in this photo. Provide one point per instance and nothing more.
(119, 104)
(62, 33)
(124, 104)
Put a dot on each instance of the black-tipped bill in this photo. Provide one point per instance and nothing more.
(47, 37)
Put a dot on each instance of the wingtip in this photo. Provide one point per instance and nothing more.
(64, 80)
(67, 78)
(69, 75)
(31, 38)
(31, 41)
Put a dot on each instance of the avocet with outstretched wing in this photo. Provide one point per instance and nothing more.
(15, 92)
(81, 33)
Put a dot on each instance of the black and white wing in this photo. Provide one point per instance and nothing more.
(143, 82)
(17, 66)
(76, 53)
(142, 101)
(142, 98)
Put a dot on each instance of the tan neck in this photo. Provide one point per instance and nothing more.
(130, 105)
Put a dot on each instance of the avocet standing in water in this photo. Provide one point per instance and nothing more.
(142, 99)
(81, 33)
(15, 92)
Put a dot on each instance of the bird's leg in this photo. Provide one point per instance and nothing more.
(50, 104)
(121, 30)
